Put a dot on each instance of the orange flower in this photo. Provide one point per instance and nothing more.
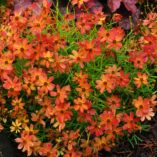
(77, 58)
(79, 2)
(6, 61)
(69, 137)
(103, 35)
(105, 83)
(12, 85)
(36, 24)
(38, 117)
(73, 153)
(154, 29)
(28, 86)
(47, 86)
(47, 107)
(57, 42)
(22, 48)
(100, 17)
(141, 79)
(144, 110)
(17, 104)
(86, 116)
(102, 143)
(113, 70)
(47, 59)
(30, 129)
(81, 104)
(60, 63)
(153, 100)
(37, 76)
(35, 53)
(84, 89)
(149, 21)
(80, 77)
(27, 143)
(69, 16)
(18, 20)
(61, 93)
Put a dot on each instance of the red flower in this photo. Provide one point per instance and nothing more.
(12, 85)
(84, 22)
(62, 112)
(82, 104)
(138, 58)
(61, 93)
(115, 38)
(90, 49)
(46, 149)
(95, 128)
(108, 120)
(113, 102)
(123, 79)
(130, 122)
(117, 17)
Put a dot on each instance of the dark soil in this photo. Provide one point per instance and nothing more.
(146, 148)
(8, 148)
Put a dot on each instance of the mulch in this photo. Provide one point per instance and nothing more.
(146, 148)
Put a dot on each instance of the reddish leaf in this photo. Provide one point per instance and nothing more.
(94, 6)
(130, 5)
(21, 4)
(113, 4)
(125, 24)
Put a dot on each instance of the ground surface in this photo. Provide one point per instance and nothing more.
(146, 148)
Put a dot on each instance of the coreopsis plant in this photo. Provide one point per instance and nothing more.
(74, 85)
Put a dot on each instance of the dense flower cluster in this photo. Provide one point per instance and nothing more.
(68, 85)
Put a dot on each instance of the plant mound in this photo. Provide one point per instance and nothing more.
(72, 85)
